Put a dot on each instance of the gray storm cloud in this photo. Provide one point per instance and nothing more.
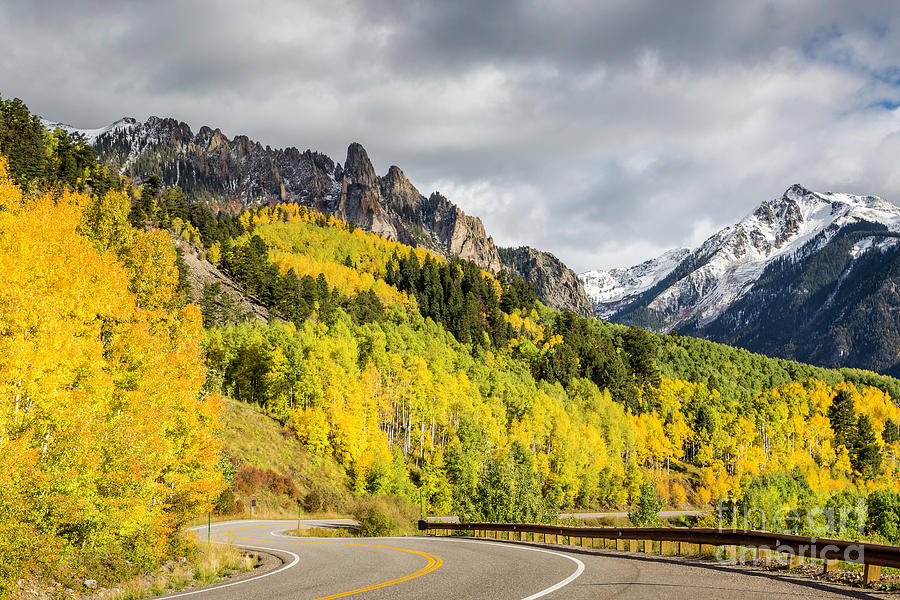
(603, 132)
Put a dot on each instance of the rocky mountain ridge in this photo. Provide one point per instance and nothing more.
(548, 273)
(231, 174)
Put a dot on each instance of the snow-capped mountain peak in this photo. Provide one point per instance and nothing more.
(732, 260)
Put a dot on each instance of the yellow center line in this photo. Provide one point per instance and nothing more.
(433, 561)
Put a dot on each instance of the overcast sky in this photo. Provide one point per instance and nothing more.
(605, 132)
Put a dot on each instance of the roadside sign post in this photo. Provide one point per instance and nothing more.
(299, 512)
(208, 526)
(421, 504)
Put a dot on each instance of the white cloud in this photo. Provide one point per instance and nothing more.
(603, 132)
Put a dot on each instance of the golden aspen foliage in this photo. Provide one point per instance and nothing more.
(106, 444)
(214, 254)
(395, 397)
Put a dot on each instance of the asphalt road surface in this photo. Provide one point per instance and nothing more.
(441, 567)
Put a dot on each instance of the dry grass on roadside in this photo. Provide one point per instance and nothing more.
(329, 532)
(211, 562)
(218, 560)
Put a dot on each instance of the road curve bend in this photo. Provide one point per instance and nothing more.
(453, 567)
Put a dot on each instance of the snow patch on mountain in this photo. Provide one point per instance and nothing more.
(91, 135)
(608, 290)
(872, 243)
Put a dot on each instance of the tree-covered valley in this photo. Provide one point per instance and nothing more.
(390, 372)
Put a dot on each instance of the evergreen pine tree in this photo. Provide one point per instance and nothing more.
(865, 455)
(842, 416)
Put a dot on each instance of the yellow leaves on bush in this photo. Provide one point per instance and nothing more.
(151, 262)
(101, 417)
(214, 254)
(677, 495)
(312, 429)
(105, 222)
(10, 194)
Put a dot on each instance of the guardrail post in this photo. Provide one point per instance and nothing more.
(620, 544)
(731, 552)
(830, 565)
(871, 574)
(648, 546)
(632, 545)
(665, 547)
(794, 561)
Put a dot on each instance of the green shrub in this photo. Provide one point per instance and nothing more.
(884, 515)
(646, 511)
(380, 516)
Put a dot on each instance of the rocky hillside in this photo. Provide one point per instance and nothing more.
(230, 174)
(201, 273)
(809, 276)
(555, 282)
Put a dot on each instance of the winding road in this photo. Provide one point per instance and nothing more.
(442, 567)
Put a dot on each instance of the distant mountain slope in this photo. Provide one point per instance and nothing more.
(613, 289)
(231, 174)
(808, 276)
(838, 305)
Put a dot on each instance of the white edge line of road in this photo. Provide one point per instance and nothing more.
(242, 581)
(579, 569)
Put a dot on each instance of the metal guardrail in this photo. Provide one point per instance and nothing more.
(872, 555)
